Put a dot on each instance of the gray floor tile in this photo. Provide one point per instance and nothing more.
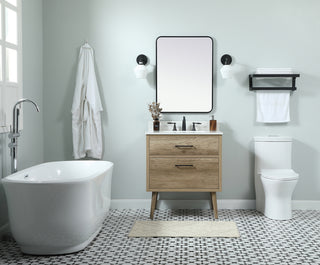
(262, 241)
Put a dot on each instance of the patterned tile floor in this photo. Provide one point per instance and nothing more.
(262, 241)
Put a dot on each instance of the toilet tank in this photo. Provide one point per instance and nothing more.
(272, 152)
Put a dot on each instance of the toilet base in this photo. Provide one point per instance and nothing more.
(278, 209)
(278, 205)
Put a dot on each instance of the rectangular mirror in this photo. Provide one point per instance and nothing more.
(184, 73)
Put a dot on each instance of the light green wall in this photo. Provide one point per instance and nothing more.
(256, 33)
(31, 140)
(30, 144)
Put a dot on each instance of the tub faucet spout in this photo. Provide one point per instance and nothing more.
(14, 132)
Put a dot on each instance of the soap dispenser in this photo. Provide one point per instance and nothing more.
(184, 124)
(213, 124)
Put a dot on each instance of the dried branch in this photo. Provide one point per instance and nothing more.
(155, 110)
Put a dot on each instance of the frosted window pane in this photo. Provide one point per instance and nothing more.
(0, 22)
(11, 65)
(12, 2)
(11, 26)
(0, 63)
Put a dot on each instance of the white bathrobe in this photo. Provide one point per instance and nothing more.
(86, 108)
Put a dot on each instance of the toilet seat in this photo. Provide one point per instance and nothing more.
(279, 174)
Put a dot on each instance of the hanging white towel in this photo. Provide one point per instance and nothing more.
(273, 106)
(86, 108)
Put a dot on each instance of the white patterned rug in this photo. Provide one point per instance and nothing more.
(184, 229)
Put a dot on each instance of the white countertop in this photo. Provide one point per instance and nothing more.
(167, 129)
(184, 133)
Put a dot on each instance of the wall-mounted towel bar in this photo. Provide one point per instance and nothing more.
(292, 76)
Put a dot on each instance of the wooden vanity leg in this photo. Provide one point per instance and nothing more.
(214, 204)
(153, 204)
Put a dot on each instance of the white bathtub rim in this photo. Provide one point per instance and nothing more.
(11, 178)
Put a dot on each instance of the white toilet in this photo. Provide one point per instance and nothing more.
(274, 178)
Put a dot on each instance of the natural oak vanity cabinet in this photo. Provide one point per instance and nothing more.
(184, 163)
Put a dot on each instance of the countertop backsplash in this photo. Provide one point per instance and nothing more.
(164, 126)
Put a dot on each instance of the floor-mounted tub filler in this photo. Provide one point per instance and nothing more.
(58, 207)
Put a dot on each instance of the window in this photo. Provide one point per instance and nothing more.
(10, 60)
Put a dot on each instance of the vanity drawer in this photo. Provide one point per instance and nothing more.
(183, 145)
(183, 173)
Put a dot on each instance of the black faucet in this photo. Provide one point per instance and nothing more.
(183, 128)
(194, 125)
(174, 125)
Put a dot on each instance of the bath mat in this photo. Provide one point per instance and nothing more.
(184, 229)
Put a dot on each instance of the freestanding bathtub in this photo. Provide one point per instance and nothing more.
(58, 207)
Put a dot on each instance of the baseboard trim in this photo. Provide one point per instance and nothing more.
(182, 204)
(204, 204)
(306, 205)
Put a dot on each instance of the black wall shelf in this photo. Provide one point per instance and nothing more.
(253, 88)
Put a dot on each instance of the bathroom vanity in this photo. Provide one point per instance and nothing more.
(184, 161)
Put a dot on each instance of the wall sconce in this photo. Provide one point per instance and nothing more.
(226, 69)
(141, 70)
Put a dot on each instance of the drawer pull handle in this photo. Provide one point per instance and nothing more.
(184, 146)
(185, 166)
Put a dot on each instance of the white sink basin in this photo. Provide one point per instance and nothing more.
(183, 132)
(166, 128)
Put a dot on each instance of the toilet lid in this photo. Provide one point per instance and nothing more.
(279, 174)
